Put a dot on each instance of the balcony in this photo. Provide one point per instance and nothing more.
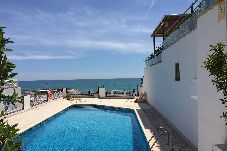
(172, 28)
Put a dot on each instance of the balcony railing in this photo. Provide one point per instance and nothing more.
(188, 25)
(182, 27)
(185, 28)
(154, 58)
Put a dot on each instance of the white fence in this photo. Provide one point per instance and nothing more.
(28, 101)
(10, 108)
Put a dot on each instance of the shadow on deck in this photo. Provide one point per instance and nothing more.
(165, 136)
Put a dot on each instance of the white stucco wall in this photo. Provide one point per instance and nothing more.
(211, 129)
(173, 98)
(192, 104)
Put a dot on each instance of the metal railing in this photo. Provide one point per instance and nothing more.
(38, 99)
(152, 61)
(57, 94)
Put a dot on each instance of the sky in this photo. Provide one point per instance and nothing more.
(82, 39)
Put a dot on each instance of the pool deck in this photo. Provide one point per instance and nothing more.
(148, 117)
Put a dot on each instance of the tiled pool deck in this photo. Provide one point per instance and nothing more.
(149, 119)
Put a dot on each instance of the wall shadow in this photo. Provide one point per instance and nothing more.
(164, 135)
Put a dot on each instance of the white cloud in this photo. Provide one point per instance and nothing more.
(149, 9)
(85, 46)
(77, 30)
(38, 57)
(89, 45)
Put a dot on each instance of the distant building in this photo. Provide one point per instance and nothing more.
(176, 84)
(11, 87)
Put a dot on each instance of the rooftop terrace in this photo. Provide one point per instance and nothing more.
(172, 28)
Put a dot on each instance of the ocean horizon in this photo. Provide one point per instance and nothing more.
(82, 84)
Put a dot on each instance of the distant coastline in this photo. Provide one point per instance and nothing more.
(77, 79)
(82, 84)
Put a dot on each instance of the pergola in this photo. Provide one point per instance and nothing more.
(167, 25)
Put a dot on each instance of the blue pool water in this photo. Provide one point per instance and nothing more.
(87, 128)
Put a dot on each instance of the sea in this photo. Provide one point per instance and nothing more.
(83, 84)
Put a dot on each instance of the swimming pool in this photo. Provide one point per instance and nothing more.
(87, 128)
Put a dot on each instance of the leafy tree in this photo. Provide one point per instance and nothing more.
(216, 64)
(9, 140)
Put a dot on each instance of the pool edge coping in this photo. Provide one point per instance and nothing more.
(147, 133)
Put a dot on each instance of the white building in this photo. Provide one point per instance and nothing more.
(9, 89)
(177, 85)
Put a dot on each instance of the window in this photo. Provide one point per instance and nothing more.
(177, 72)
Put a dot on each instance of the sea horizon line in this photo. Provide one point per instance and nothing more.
(78, 79)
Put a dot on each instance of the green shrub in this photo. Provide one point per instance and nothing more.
(216, 64)
(9, 140)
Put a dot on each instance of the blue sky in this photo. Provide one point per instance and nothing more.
(80, 39)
